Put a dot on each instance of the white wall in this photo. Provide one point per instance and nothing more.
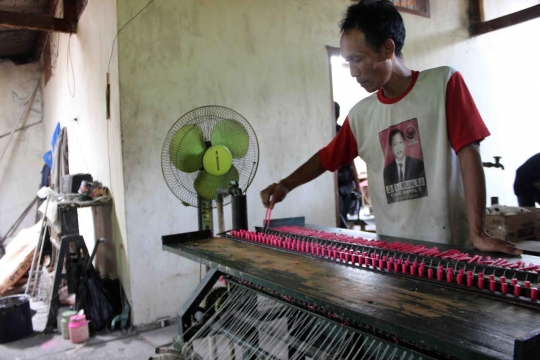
(501, 71)
(20, 169)
(497, 8)
(77, 90)
(265, 59)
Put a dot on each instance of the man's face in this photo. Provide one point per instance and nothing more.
(370, 68)
(398, 146)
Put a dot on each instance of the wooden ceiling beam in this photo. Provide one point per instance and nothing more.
(70, 11)
(479, 28)
(36, 22)
(43, 36)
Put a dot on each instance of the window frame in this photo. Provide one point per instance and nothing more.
(426, 13)
(477, 25)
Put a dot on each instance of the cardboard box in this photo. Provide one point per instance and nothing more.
(513, 227)
(536, 211)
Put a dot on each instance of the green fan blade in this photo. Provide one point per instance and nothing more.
(231, 134)
(187, 148)
(206, 184)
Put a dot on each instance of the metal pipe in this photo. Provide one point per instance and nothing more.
(40, 239)
(220, 191)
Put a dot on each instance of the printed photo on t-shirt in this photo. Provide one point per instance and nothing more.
(404, 176)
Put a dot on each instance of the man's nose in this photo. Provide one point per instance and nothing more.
(354, 71)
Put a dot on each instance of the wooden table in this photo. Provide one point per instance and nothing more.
(462, 324)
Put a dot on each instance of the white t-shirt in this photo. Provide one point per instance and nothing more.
(423, 128)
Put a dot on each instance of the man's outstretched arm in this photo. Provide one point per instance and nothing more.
(310, 170)
(474, 185)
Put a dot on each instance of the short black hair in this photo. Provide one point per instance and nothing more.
(336, 109)
(378, 20)
(394, 133)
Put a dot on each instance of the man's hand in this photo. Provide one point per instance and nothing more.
(474, 185)
(485, 242)
(273, 194)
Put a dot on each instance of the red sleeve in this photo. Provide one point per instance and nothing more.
(464, 123)
(342, 149)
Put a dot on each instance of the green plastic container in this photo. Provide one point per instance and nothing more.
(65, 322)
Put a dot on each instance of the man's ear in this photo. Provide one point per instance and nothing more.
(388, 49)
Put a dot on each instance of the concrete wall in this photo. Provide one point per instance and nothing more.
(501, 71)
(265, 59)
(20, 168)
(75, 96)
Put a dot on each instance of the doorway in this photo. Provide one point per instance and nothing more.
(347, 92)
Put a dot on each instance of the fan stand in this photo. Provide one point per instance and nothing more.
(205, 218)
(239, 207)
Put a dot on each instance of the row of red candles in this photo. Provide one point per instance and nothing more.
(421, 250)
(398, 265)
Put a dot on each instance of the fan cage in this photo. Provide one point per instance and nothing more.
(181, 183)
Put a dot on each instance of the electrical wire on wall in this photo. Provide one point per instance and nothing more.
(68, 62)
(108, 95)
(123, 26)
(23, 115)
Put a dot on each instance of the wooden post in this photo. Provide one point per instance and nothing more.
(476, 11)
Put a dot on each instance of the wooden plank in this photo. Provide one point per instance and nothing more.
(458, 323)
(518, 17)
(35, 22)
(22, 6)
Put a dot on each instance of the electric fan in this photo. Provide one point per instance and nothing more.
(209, 157)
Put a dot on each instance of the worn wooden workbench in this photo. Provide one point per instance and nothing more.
(458, 323)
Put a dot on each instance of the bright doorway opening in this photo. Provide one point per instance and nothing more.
(347, 93)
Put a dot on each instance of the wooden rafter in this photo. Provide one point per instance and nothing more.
(25, 21)
(71, 13)
(479, 27)
(43, 36)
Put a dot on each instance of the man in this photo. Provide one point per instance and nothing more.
(527, 182)
(445, 127)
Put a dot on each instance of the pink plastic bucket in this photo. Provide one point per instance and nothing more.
(78, 329)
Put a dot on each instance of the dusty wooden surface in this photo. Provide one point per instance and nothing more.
(452, 321)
